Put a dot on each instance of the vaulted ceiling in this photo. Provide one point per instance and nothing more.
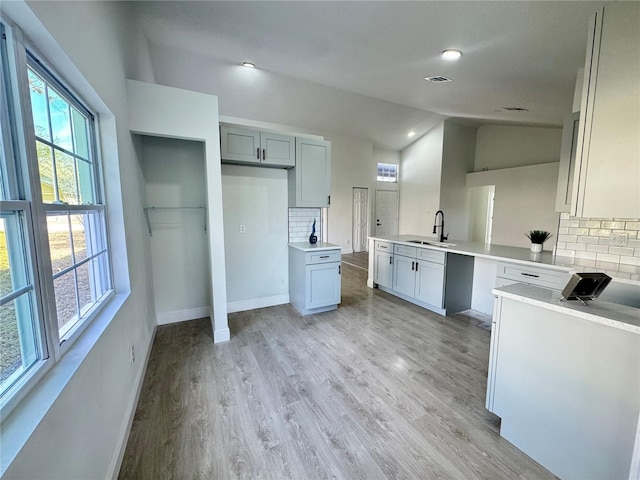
(515, 53)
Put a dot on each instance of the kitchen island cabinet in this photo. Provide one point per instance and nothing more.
(383, 264)
(565, 380)
(314, 277)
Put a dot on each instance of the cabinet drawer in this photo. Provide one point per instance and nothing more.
(323, 256)
(541, 277)
(431, 255)
(404, 250)
(384, 247)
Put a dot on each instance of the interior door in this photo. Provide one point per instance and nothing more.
(360, 218)
(386, 212)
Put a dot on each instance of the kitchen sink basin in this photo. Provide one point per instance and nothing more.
(435, 244)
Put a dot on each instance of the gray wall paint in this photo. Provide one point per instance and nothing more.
(256, 261)
(175, 177)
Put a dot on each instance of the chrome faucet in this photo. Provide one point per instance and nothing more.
(443, 237)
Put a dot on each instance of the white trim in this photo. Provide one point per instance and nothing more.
(182, 315)
(254, 303)
(127, 420)
(222, 335)
(634, 471)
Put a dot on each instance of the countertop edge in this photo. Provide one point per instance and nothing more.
(604, 312)
(318, 247)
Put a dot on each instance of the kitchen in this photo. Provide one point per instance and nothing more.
(354, 160)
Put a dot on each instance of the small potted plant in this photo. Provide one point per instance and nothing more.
(537, 237)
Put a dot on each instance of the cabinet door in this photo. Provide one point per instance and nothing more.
(240, 145)
(277, 150)
(323, 285)
(312, 174)
(430, 283)
(383, 269)
(404, 275)
(567, 162)
(607, 179)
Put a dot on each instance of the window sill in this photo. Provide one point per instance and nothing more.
(23, 420)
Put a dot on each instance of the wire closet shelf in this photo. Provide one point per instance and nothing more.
(151, 210)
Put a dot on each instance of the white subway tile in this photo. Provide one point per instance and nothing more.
(607, 257)
(633, 243)
(599, 232)
(613, 225)
(598, 248)
(563, 230)
(578, 247)
(564, 216)
(569, 223)
(603, 240)
(561, 245)
(632, 225)
(578, 231)
(586, 255)
(565, 253)
(590, 224)
(630, 260)
(621, 250)
(591, 240)
(568, 238)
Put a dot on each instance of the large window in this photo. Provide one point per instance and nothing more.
(54, 259)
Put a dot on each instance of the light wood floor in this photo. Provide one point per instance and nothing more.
(378, 389)
(360, 259)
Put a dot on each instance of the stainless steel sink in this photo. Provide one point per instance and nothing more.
(435, 244)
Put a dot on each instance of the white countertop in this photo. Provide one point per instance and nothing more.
(620, 273)
(605, 313)
(317, 247)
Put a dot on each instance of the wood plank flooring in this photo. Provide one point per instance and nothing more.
(378, 389)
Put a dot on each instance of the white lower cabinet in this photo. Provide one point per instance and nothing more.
(404, 275)
(429, 283)
(383, 269)
(314, 280)
(421, 279)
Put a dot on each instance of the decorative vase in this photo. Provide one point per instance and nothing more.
(312, 238)
(536, 247)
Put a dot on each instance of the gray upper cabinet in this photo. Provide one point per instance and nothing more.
(567, 162)
(607, 176)
(241, 145)
(310, 180)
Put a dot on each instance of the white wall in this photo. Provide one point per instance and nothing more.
(174, 173)
(524, 200)
(478, 211)
(457, 160)
(257, 260)
(420, 174)
(504, 146)
(79, 431)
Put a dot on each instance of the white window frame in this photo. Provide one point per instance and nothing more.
(387, 178)
(26, 196)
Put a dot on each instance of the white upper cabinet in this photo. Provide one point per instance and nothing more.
(607, 175)
(310, 180)
(241, 145)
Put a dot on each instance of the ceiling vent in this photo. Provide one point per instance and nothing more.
(515, 109)
(438, 79)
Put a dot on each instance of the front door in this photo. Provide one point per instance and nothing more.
(360, 218)
(386, 212)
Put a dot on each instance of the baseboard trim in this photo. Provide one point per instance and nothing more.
(347, 251)
(254, 303)
(182, 315)
(221, 335)
(118, 453)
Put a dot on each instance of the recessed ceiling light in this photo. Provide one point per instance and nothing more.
(451, 54)
(411, 134)
(248, 65)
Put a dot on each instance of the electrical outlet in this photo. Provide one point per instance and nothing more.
(619, 239)
(348, 242)
(243, 229)
(133, 354)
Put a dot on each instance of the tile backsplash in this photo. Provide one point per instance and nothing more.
(300, 222)
(594, 239)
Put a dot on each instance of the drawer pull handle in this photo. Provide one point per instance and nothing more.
(339, 269)
(324, 256)
(529, 275)
(383, 246)
(390, 260)
(264, 154)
